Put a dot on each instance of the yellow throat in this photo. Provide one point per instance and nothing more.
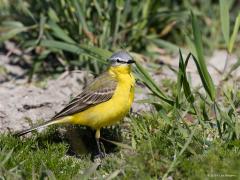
(117, 107)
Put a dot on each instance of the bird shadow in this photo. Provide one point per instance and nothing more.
(81, 140)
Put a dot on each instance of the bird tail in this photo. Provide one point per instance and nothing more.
(47, 123)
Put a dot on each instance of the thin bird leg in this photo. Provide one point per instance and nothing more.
(98, 146)
(97, 137)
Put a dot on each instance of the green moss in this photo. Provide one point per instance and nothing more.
(218, 161)
(34, 158)
(157, 144)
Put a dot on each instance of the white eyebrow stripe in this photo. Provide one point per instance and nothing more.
(121, 59)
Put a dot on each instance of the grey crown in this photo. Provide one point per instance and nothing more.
(121, 55)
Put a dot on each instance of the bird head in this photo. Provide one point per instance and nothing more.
(121, 58)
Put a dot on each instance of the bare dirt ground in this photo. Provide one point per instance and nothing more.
(22, 103)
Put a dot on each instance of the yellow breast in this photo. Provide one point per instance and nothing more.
(116, 108)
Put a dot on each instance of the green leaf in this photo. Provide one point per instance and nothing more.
(183, 79)
(200, 60)
(234, 34)
(122, 145)
(12, 24)
(233, 68)
(164, 44)
(116, 20)
(120, 4)
(60, 33)
(53, 15)
(191, 46)
(14, 28)
(7, 157)
(80, 14)
(94, 52)
(149, 82)
(11, 33)
(202, 76)
(225, 19)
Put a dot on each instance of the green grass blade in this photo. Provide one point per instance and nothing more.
(98, 7)
(62, 46)
(201, 63)
(185, 84)
(12, 24)
(234, 34)
(60, 33)
(185, 146)
(13, 32)
(97, 53)
(7, 157)
(10, 34)
(122, 145)
(233, 68)
(205, 85)
(82, 20)
(164, 44)
(225, 19)
(116, 21)
(191, 45)
(149, 82)
(198, 43)
(52, 14)
(179, 84)
(80, 14)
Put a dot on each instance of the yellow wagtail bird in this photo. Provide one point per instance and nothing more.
(105, 101)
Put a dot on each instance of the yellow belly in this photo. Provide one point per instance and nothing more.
(111, 111)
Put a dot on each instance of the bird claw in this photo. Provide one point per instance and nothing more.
(100, 155)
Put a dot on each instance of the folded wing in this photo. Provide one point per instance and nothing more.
(99, 90)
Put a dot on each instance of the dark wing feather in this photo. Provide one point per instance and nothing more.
(100, 90)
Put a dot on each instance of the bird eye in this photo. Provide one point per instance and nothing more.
(118, 60)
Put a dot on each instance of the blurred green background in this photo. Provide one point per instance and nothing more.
(49, 30)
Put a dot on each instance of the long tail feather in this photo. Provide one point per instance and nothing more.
(35, 127)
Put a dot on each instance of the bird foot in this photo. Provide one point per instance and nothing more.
(98, 157)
